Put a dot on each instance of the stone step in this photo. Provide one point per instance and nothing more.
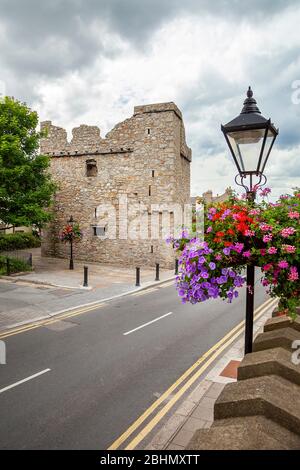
(280, 338)
(282, 322)
(276, 361)
(247, 433)
(271, 396)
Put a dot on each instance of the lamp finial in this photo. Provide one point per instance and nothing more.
(250, 103)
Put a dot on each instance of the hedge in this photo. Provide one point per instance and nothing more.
(15, 265)
(18, 241)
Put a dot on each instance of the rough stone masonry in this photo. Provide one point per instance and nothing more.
(143, 162)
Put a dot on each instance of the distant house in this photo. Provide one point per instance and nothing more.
(4, 229)
(208, 197)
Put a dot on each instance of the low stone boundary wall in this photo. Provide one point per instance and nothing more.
(262, 409)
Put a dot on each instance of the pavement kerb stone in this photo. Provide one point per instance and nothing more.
(88, 304)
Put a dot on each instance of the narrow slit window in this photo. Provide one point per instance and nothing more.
(148, 131)
(91, 168)
(149, 189)
(151, 249)
(152, 173)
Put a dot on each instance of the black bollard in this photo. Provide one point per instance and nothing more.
(8, 266)
(176, 266)
(85, 276)
(157, 272)
(137, 277)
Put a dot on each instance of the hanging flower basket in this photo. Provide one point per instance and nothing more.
(238, 233)
(70, 233)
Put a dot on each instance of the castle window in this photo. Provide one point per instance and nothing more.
(91, 168)
(99, 230)
(148, 131)
(149, 189)
(151, 249)
(152, 173)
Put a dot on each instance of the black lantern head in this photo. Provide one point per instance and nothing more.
(71, 221)
(250, 138)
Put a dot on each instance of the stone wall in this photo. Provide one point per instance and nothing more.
(261, 411)
(144, 158)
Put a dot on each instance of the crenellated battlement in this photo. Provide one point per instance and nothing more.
(125, 135)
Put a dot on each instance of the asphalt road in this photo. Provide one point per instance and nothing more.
(100, 379)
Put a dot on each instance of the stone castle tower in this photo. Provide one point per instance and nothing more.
(142, 162)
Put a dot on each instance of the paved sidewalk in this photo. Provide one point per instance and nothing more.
(197, 409)
(52, 287)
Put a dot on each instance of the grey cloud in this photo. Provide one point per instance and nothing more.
(47, 39)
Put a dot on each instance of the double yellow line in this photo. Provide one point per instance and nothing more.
(209, 357)
(59, 317)
(72, 313)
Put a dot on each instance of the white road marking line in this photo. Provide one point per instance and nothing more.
(24, 380)
(146, 324)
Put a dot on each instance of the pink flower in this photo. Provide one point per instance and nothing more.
(209, 229)
(263, 251)
(288, 248)
(264, 192)
(286, 232)
(265, 227)
(267, 238)
(218, 257)
(247, 254)
(283, 264)
(254, 212)
(265, 282)
(293, 275)
(250, 233)
(238, 247)
(294, 215)
(267, 267)
(272, 250)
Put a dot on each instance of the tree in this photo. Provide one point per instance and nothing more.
(26, 188)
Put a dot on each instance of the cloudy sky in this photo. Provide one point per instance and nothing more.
(91, 61)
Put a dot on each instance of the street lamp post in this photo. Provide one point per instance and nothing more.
(250, 138)
(71, 222)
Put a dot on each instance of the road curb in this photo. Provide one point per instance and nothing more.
(88, 304)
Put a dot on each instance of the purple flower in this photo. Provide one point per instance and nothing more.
(204, 274)
(212, 266)
(213, 292)
(222, 279)
(226, 251)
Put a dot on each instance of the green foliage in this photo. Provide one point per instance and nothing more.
(18, 241)
(26, 188)
(15, 265)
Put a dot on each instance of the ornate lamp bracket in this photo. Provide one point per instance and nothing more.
(250, 188)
